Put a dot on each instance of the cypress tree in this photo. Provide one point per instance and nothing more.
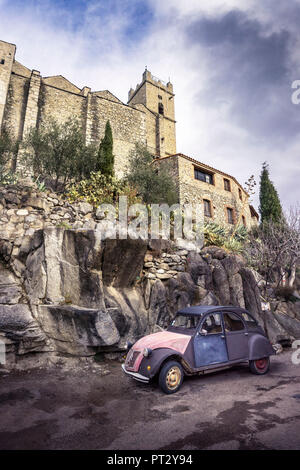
(270, 207)
(105, 162)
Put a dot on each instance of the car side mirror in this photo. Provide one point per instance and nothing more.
(203, 332)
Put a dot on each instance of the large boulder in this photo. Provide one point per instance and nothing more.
(236, 290)
(76, 330)
(290, 325)
(199, 270)
(123, 261)
(66, 268)
(159, 311)
(18, 325)
(127, 309)
(10, 288)
(275, 331)
(251, 294)
(220, 282)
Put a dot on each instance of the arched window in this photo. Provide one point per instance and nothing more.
(160, 108)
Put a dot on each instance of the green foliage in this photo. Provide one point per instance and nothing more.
(217, 235)
(58, 151)
(39, 184)
(100, 189)
(5, 147)
(286, 293)
(154, 184)
(64, 225)
(8, 177)
(105, 161)
(270, 207)
(8, 147)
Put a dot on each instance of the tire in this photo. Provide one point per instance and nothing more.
(171, 377)
(260, 366)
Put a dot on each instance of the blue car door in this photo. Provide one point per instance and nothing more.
(209, 342)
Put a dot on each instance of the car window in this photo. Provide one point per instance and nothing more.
(185, 321)
(249, 320)
(232, 322)
(212, 324)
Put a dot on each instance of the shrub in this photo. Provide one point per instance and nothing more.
(233, 241)
(105, 160)
(285, 292)
(154, 185)
(100, 189)
(8, 148)
(59, 151)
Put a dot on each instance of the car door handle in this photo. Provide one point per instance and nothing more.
(222, 336)
(246, 334)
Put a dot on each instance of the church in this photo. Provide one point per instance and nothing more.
(27, 99)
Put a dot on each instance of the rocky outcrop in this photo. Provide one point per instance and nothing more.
(69, 292)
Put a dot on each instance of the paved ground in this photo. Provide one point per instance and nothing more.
(232, 409)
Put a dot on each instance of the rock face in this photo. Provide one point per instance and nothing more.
(67, 291)
(76, 330)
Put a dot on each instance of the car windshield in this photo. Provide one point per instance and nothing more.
(185, 321)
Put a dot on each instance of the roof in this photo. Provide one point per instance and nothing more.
(205, 166)
(107, 94)
(202, 309)
(253, 212)
(61, 82)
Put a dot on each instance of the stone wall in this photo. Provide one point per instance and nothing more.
(59, 104)
(7, 53)
(128, 128)
(27, 100)
(65, 290)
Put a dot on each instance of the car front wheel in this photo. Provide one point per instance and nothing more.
(260, 366)
(170, 377)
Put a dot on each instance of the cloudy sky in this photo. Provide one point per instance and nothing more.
(232, 64)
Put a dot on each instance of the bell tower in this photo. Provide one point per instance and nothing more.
(157, 100)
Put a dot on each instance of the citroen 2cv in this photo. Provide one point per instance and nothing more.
(200, 339)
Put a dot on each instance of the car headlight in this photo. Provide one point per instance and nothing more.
(147, 352)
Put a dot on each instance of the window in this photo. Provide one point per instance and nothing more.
(185, 321)
(226, 184)
(2, 61)
(212, 324)
(207, 208)
(160, 108)
(249, 320)
(230, 215)
(240, 194)
(244, 221)
(159, 97)
(232, 322)
(203, 176)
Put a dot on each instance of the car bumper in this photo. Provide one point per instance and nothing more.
(135, 375)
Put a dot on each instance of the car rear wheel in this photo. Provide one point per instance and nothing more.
(260, 366)
(170, 377)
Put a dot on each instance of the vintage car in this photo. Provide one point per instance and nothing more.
(200, 339)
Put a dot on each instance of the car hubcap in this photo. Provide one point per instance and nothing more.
(173, 377)
(261, 364)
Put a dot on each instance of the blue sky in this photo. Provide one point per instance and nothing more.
(231, 63)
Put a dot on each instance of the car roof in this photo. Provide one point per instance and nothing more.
(202, 309)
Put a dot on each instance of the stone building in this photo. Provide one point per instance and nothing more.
(225, 200)
(27, 100)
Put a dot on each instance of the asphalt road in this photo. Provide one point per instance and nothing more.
(85, 409)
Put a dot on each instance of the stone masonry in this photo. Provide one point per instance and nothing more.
(27, 100)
